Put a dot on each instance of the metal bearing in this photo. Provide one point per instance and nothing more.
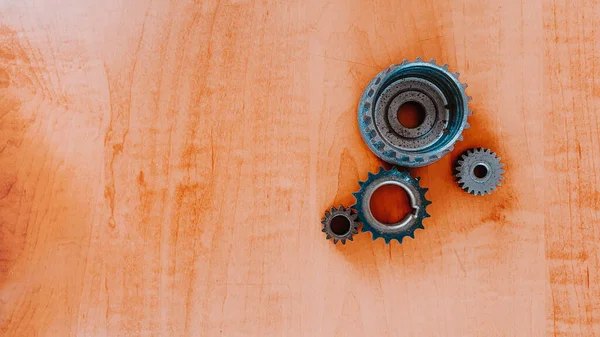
(436, 91)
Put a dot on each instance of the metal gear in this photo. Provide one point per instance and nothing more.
(340, 224)
(427, 85)
(406, 226)
(479, 171)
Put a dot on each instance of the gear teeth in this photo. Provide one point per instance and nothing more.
(456, 75)
(445, 66)
(404, 62)
(467, 125)
(469, 99)
(394, 174)
(340, 211)
(469, 112)
(466, 165)
(464, 85)
(419, 59)
(432, 61)
(461, 138)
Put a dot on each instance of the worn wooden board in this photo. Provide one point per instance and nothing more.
(164, 166)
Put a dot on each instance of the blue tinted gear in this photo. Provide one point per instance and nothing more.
(435, 91)
(404, 227)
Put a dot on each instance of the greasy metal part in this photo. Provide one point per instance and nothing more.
(432, 87)
(335, 233)
(479, 171)
(406, 226)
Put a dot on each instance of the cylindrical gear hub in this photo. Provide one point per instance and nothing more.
(439, 96)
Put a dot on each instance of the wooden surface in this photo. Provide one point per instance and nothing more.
(164, 166)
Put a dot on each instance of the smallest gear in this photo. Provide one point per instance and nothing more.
(479, 171)
(340, 224)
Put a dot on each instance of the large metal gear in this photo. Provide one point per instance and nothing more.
(406, 226)
(436, 91)
(479, 171)
(340, 224)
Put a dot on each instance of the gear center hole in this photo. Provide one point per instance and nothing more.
(390, 204)
(411, 115)
(340, 225)
(480, 171)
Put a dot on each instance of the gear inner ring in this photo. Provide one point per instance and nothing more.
(480, 171)
(408, 220)
(340, 225)
(417, 91)
(418, 98)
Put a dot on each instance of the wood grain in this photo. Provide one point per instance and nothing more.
(164, 166)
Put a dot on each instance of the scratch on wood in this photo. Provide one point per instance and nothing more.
(341, 60)
(460, 263)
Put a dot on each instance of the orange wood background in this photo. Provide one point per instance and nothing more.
(164, 166)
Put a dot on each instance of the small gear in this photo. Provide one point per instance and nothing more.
(431, 89)
(406, 226)
(340, 224)
(479, 171)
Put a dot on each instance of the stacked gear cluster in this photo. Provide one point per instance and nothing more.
(444, 106)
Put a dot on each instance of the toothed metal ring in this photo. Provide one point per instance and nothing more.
(479, 171)
(340, 224)
(406, 226)
(435, 91)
